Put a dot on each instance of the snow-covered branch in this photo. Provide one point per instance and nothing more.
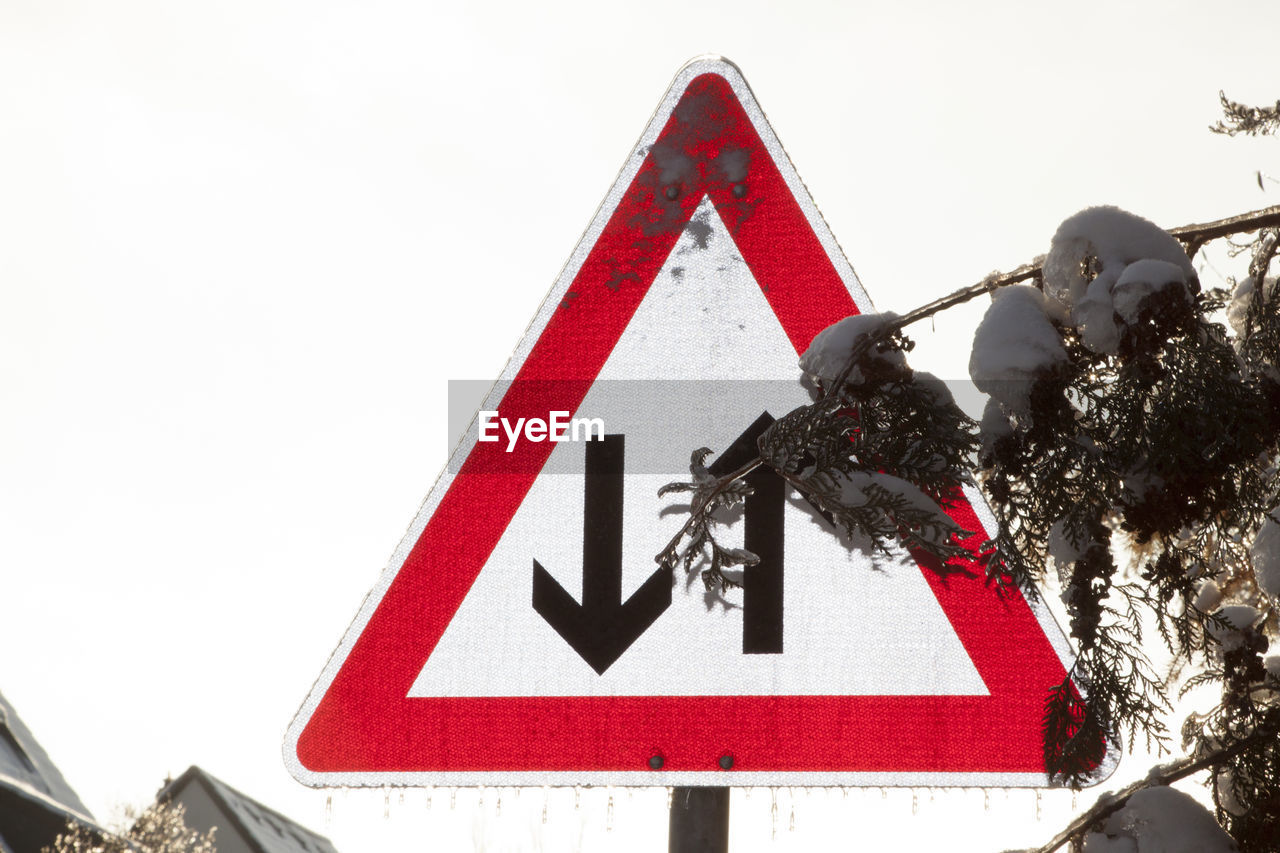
(1128, 443)
(1192, 236)
(1163, 774)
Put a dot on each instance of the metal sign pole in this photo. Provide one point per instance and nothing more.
(699, 821)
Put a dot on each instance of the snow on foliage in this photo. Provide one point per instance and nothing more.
(1160, 820)
(1141, 279)
(993, 426)
(1266, 557)
(1243, 296)
(1063, 547)
(1239, 618)
(1102, 263)
(936, 387)
(826, 356)
(1208, 597)
(1238, 310)
(1141, 482)
(898, 504)
(1225, 785)
(1107, 273)
(1015, 345)
(853, 492)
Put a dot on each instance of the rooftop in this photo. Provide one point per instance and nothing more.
(26, 768)
(264, 829)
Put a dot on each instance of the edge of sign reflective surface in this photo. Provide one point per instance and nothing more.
(648, 778)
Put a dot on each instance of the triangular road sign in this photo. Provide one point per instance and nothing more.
(523, 635)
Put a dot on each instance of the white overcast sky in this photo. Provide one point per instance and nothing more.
(244, 245)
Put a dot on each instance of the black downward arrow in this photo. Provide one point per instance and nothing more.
(603, 626)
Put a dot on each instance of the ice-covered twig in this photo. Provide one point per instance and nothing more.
(958, 297)
(667, 557)
(1195, 236)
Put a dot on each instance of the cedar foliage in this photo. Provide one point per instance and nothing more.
(1156, 460)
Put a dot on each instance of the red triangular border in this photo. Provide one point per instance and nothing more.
(364, 730)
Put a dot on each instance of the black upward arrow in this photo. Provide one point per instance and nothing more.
(603, 626)
(763, 533)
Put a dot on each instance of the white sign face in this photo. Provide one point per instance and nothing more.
(524, 634)
(833, 642)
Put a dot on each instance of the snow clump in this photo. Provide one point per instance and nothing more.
(934, 387)
(1225, 784)
(1208, 597)
(1015, 345)
(993, 426)
(1103, 262)
(1239, 619)
(1141, 279)
(1160, 820)
(1063, 547)
(1238, 310)
(1266, 557)
(826, 356)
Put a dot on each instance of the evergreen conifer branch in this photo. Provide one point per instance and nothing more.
(1241, 118)
(1165, 774)
(1138, 466)
(1193, 236)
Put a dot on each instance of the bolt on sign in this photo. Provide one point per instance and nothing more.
(523, 633)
